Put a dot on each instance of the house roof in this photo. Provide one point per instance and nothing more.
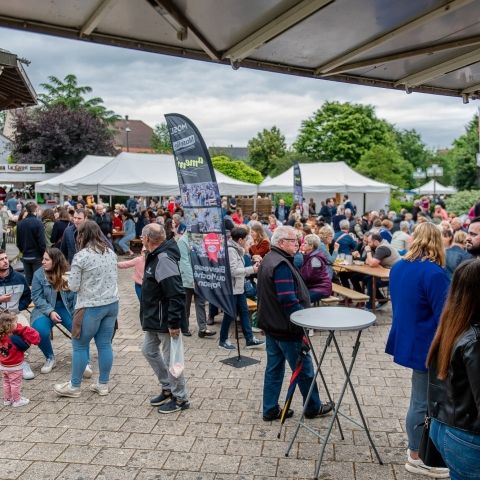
(139, 136)
(15, 87)
(429, 46)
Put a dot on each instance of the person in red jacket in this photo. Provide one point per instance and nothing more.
(15, 339)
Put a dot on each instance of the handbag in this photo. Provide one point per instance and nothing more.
(427, 450)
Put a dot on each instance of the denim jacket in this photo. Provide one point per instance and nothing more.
(44, 296)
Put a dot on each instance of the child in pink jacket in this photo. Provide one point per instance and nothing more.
(139, 266)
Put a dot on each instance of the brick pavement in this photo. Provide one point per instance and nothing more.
(221, 437)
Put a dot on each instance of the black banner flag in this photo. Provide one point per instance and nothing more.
(297, 185)
(203, 213)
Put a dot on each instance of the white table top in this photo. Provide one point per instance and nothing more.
(333, 318)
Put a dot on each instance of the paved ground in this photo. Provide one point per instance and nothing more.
(222, 436)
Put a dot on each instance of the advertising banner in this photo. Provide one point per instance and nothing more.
(201, 203)
(297, 185)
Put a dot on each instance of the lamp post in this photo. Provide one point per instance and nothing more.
(433, 172)
(127, 131)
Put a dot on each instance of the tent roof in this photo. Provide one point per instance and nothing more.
(88, 165)
(428, 189)
(428, 46)
(143, 174)
(29, 178)
(327, 177)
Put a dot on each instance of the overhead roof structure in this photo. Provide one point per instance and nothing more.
(430, 46)
(15, 88)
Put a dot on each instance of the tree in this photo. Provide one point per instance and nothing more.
(412, 148)
(237, 169)
(71, 95)
(265, 149)
(461, 202)
(59, 137)
(342, 132)
(161, 139)
(385, 164)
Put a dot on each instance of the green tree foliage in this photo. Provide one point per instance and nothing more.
(284, 163)
(161, 139)
(412, 148)
(385, 164)
(342, 132)
(68, 93)
(265, 149)
(237, 169)
(461, 202)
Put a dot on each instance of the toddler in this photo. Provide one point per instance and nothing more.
(139, 264)
(15, 339)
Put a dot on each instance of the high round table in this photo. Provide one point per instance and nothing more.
(331, 320)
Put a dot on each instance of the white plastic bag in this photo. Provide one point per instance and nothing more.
(177, 360)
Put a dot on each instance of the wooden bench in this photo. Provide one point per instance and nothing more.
(350, 296)
(136, 245)
(330, 300)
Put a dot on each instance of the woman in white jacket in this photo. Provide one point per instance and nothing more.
(238, 272)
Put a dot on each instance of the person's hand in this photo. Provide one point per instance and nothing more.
(257, 258)
(336, 246)
(255, 267)
(5, 298)
(55, 317)
(174, 332)
(368, 250)
(355, 254)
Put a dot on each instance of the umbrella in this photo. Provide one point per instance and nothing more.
(293, 381)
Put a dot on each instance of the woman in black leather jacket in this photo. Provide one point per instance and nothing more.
(454, 376)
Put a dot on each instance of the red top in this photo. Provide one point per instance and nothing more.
(117, 223)
(261, 248)
(10, 355)
(238, 219)
(171, 207)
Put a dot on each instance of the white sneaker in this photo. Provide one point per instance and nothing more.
(48, 365)
(88, 371)
(21, 403)
(256, 330)
(418, 467)
(7, 403)
(27, 371)
(311, 332)
(66, 390)
(100, 388)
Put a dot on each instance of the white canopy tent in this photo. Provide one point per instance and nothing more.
(89, 164)
(141, 174)
(433, 187)
(323, 179)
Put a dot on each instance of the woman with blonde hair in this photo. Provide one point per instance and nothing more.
(261, 244)
(454, 376)
(416, 314)
(326, 237)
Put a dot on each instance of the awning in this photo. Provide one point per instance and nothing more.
(9, 178)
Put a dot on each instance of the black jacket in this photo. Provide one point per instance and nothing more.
(104, 222)
(456, 400)
(31, 237)
(163, 297)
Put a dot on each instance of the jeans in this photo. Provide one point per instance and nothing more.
(156, 350)
(417, 409)
(43, 325)
(98, 323)
(200, 312)
(12, 385)
(123, 244)
(459, 449)
(30, 266)
(242, 311)
(277, 352)
(138, 291)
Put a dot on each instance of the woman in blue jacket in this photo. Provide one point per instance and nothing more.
(129, 234)
(418, 287)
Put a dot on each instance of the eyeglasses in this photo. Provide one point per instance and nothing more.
(290, 240)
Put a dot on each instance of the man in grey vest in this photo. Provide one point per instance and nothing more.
(379, 254)
(280, 292)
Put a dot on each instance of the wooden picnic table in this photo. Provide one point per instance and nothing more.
(118, 233)
(374, 272)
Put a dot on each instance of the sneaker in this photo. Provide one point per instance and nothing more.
(27, 371)
(100, 388)
(88, 373)
(256, 330)
(48, 365)
(311, 332)
(255, 343)
(277, 415)
(21, 402)
(164, 397)
(7, 403)
(206, 333)
(325, 409)
(417, 466)
(187, 333)
(173, 406)
(66, 390)
(226, 345)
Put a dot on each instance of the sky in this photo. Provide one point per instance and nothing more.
(229, 107)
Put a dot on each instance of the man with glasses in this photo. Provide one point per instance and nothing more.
(282, 291)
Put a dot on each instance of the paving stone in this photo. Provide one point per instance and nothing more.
(221, 463)
(118, 473)
(113, 456)
(81, 472)
(250, 465)
(148, 458)
(44, 470)
(12, 469)
(184, 461)
(14, 450)
(78, 454)
(76, 437)
(147, 441)
(149, 474)
(47, 452)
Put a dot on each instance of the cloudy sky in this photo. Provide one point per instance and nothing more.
(229, 107)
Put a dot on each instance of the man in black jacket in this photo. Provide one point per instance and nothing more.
(104, 220)
(162, 310)
(31, 241)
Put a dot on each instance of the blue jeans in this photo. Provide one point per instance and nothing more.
(98, 323)
(138, 291)
(277, 352)
(43, 325)
(124, 244)
(417, 409)
(242, 312)
(459, 449)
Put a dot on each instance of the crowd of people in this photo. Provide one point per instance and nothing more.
(285, 263)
